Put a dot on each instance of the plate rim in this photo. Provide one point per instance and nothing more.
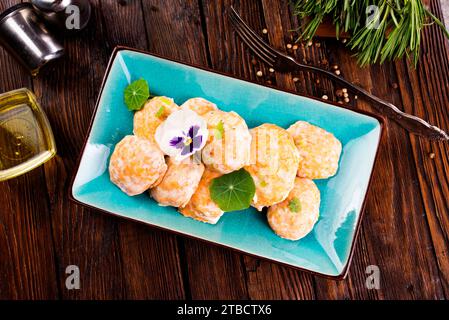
(381, 119)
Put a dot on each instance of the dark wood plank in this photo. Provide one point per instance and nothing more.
(430, 87)
(281, 26)
(367, 252)
(150, 257)
(27, 267)
(395, 232)
(118, 259)
(264, 280)
(83, 237)
(174, 30)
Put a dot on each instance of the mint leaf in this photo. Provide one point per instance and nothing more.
(233, 191)
(136, 94)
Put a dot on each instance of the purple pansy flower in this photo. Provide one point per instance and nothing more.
(190, 142)
(182, 134)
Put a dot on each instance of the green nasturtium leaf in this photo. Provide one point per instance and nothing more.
(233, 191)
(136, 94)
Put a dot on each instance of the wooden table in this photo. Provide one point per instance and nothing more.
(406, 225)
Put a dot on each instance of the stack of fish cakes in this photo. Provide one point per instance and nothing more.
(319, 155)
(283, 164)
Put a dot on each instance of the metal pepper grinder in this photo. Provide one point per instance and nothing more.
(66, 16)
(26, 37)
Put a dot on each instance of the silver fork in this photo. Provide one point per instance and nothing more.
(284, 63)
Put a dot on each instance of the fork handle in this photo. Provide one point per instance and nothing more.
(409, 122)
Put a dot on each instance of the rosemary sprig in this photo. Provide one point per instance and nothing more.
(392, 32)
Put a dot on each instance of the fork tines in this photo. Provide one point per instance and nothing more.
(252, 40)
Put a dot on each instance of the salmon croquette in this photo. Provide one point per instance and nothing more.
(274, 163)
(319, 150)
(179, 183)
(199, 105)
(229, 144)
(136, 165)
(154, 112)
(296, 216)
(201, 207)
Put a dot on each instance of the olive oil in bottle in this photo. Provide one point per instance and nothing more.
(26, 139)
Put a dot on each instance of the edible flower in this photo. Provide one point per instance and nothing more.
(182, 134)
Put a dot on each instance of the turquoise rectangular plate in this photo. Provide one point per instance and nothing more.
(327, 250)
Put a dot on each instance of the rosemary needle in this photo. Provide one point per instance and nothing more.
(380, 30)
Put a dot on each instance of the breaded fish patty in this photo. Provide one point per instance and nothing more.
(179, 183)
(295, 217)
(319, 150)
(274, 162)
(136, 165)
(229, 144)
(199, 105)
(201, 207)
(153, 113)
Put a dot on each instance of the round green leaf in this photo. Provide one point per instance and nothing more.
(136, 94)
(233, 191)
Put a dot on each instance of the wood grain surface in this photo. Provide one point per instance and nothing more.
(405, 231)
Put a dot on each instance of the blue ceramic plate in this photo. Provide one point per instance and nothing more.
(326, 250)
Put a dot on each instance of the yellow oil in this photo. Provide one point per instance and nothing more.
(26, 139)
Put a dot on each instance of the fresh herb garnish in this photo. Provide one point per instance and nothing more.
(219, 130)
(136, 94)
(160, 112)
(233, 191)
(389, 33)
(165, 100)
(294, 205)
